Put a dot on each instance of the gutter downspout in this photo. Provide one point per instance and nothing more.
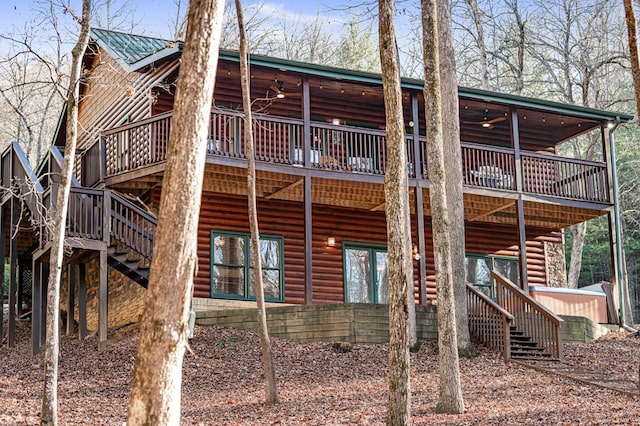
(616, 220)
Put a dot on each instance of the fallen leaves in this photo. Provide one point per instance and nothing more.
(222, 384)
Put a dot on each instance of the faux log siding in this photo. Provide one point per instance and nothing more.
(229, 213)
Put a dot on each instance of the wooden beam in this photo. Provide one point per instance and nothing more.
(71, 297)
(378, 207)
(522, 246)
(292, 185)
(492, 211)
(22, 268)
(36, 284)
(43, 303)
(308, 242)
(84, 243)
(3, 235)
(82, 301)
(103, 301)
(422, 263)
(13, 270)
(417, 151)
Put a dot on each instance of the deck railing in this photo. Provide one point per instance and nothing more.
(488, 168)
(530, 317)
(85, 213)
(133, 228)
(488, 322)
(344, 148)
(565, 177)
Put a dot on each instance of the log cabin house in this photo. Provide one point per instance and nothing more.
(321, 158)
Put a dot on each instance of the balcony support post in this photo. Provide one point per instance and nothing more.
(36, 294)
(522, 244)
(102, 301)
(306, 117)
(522, 235)
(515, 143)
(417, 152)
(71, 298)
(13, 272)
(308, 242)
(82, 302)
(422, 261)
(3, 239)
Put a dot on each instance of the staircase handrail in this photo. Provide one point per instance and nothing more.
(57, 156)
(481, 326)
(530, 316)
(132, 235)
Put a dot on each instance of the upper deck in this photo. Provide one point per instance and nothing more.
(328, 124)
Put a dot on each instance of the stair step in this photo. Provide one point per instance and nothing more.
(527, 348)
(547, 357)
(529, 344)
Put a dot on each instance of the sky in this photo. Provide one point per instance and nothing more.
(153, 15)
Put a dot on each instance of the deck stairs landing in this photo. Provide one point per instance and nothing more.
(131, 228)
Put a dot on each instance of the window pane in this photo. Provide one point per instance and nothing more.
(270, 253)
(228, 280)
(382, 277)
(271, 283)
(477, 271)
(508, 268)
(357, 275)
(228, 250)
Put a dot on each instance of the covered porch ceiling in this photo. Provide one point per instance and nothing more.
(481, 206)
(483, 118)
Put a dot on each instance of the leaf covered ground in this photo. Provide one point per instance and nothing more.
(222, 384)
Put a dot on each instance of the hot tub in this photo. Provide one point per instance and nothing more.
(574, 302)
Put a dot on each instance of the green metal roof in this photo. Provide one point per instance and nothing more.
(135, 52)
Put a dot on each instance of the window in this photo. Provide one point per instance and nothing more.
(478, 271)
(365, 273)
(231, 266)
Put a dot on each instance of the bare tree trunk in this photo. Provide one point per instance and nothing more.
(453, 160)
(450, 392)
(578, 233)
(476, 14)
(271, 391)
(49, 411)
(632, 33)
(398, 232)
(157, 377)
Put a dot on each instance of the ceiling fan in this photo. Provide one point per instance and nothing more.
(281, 93)
(487, 124)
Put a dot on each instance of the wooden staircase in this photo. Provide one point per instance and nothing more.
(514, 323)
(525, 347)
(131, 266)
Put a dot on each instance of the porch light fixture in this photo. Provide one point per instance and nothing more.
(416, 254)
(335, 121)
(280, 89)
(331, 241)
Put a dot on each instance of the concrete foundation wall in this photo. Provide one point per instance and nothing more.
(353, 322)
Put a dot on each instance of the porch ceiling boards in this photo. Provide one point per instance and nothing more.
(479, 207)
